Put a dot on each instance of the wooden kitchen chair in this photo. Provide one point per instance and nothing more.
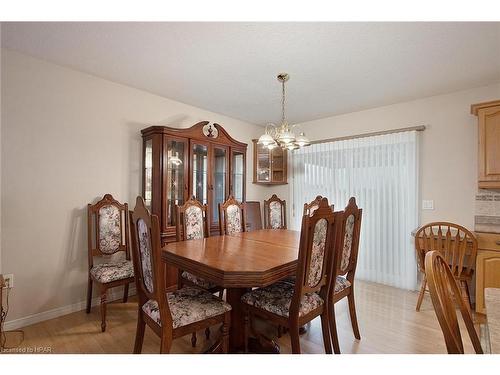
(274, 213)
(445, 293)
(192, 225)
(231, 217)
(107, 235)
(292, 305)
(457, 245)
(348, 224)
(174, 314)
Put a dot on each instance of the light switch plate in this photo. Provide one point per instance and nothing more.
(427, 204)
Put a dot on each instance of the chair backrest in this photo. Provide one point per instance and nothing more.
(316, 257)
(275, 213)
(457, 245)
(445, 292)
(309, 208)
(191, 221)
(349, 225)
(107, 225)
(148, 268)
(253, 218)
(231, 217)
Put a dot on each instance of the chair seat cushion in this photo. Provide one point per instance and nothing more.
(341, 283)
(188, 305)
(202, 283)
(108, 272)
(276, 299)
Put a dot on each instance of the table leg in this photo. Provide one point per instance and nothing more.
(237, 331)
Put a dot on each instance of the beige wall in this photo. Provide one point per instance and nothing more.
(448, 147)
(68, 138)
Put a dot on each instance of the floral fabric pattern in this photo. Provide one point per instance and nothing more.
(348, 235)
(108, 272)
(193, 217)
(233, 219)
(341, 283)
(317, 253)
(110, 234)
(202, 283)
(145, 250)
(275, 215)
(276, 299)
(188, 305)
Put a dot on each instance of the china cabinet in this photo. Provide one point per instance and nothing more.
(488, 114)
(203, 161)
(269, 166)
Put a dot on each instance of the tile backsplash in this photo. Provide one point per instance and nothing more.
(487, 211)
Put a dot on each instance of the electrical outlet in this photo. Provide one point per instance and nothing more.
(427, 205)
(9, 281)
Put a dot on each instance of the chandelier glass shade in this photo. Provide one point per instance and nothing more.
(282, 135)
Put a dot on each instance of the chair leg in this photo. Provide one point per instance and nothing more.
(89, 295)
(207, 333)
(465, 294)
(103, 308)
(422, 293)
(294, 338)
(139, 334)
(193, 339)
(166, 344)
(352, 313)
(326, 332)
(333, 328)
(280, 331)
(225, 337)
(246, 330)
(125, 293)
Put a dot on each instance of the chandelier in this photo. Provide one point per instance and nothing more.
(282, 135)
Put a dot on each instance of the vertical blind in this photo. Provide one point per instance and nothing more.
(382, 173)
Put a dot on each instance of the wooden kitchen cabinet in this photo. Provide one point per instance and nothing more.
(269, 166)
(487, 266)
(488, 114)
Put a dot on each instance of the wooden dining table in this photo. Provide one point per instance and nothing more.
(238, 263)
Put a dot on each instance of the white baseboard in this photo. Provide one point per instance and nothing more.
(113, 295)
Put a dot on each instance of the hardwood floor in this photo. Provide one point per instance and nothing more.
(387, 319)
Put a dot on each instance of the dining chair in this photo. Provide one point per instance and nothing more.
(274, 213)
(348, 224)
(191, 224)
(292, 305)
(107, 236)
(309, 208)
(231, 217)
(253, 218)
(445, 294)
(457, 245)
(174, 314)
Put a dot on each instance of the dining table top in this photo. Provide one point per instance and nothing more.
(247, 259)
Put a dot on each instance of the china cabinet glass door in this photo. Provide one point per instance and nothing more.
(199, 167)
(176, 178)
(218, 186)
(263, 164)
(148, 172)
(238, 175)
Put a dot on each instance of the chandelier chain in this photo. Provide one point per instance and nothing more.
(283, 102)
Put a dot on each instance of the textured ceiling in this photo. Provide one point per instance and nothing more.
(230, 68)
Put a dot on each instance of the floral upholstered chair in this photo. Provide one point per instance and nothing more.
(108, 235)
(192, 224)
(291, 305)
(309, 208)
(275, 213)
(174, 314)
(347, 244)
(231, 217)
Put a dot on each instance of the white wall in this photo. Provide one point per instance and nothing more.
(68, 138)
(448, 147)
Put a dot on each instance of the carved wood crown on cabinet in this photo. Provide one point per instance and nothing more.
(488, 114)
